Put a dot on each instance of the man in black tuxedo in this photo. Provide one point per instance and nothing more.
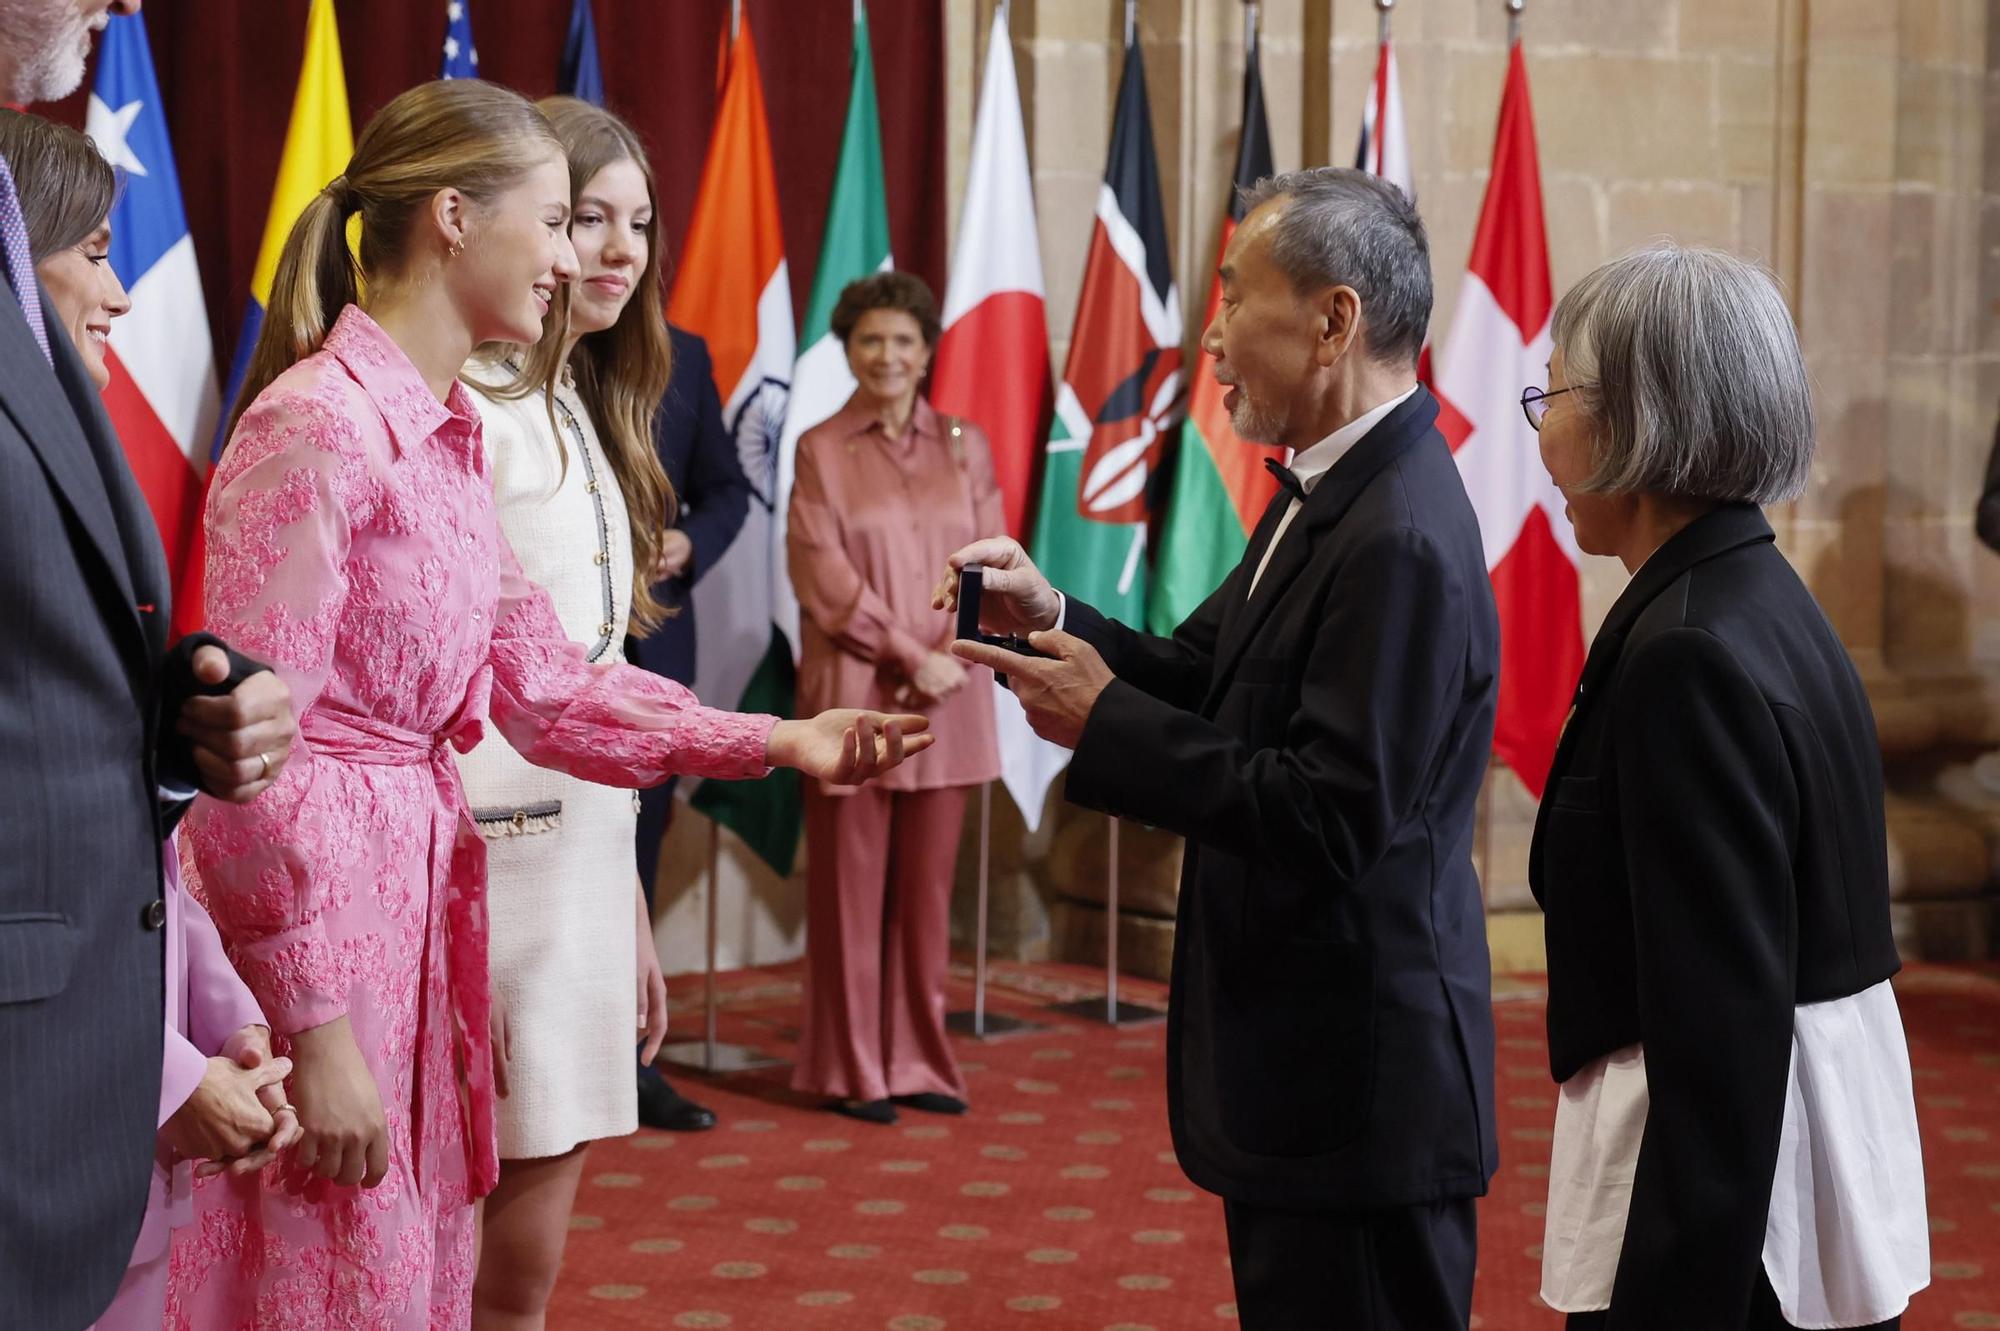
(103, 740)
(1318, 730)
(713, 497)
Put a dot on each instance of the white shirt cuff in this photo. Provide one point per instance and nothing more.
(1062, 611)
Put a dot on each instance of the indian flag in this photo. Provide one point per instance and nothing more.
(734, 290)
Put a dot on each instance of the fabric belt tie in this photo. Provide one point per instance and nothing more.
(458, 864)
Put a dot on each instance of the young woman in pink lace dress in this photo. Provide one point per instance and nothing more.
(352, 543)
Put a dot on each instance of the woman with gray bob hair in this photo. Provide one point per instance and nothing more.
(1688, 361)
(1736, 1138)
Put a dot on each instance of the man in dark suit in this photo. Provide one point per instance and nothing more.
(102, 743)
(714, 495)
(1318, 730)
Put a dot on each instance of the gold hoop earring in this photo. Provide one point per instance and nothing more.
(457, 248)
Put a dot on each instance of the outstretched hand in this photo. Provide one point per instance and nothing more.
(1014, 596)
(1057, 689)
(846, 746)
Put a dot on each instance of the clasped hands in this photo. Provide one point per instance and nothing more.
(1057, 689)
(237, 1120)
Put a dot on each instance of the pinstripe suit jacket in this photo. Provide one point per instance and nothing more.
(83, 609)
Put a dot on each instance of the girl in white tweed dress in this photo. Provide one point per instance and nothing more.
(567, 426)
(580, 496)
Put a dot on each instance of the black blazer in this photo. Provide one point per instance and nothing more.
(1710, 853)
(1321, 747)
(83, 598)
(713, 493)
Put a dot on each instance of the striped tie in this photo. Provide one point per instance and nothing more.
(20, 263)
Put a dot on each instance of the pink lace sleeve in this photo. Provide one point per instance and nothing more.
(278, 532)
(612, 723)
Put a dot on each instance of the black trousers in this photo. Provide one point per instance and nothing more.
(1404, 1269)
(1764, 1315)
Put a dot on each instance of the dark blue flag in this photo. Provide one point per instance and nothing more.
(581, 74)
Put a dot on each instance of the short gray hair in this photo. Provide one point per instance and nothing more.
(1688, 362)
(1348, 228)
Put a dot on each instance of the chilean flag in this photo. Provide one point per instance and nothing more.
(1499, 344)
(162, 398)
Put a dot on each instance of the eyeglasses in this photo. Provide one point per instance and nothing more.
(1535, 403)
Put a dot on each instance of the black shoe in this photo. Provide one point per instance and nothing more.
(868, 1111)
(932, 1102)
(661, 1106)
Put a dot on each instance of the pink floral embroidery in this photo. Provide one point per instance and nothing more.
(353, 544)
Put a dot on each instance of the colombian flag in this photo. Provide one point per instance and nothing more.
(317, 148)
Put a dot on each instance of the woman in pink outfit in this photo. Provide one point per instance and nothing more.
(353, 543)
(216, 1053)
(886, 489)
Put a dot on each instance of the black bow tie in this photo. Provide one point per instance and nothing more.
(1288, 480)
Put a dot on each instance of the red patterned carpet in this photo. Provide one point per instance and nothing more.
(1056, 1203)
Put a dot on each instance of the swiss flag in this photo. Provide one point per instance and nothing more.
(1499, 344)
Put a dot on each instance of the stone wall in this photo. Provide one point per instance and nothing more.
(1853, 145)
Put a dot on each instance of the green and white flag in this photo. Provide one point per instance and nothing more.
(856, 243)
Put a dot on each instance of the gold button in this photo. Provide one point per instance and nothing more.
(600, 558)
(604, 629)
(520, 818)
(591, 488)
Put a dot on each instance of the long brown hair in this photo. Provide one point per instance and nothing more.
(66, 186)
(621, 373)
(478, 138)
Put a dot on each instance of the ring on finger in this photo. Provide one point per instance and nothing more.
(264, 766)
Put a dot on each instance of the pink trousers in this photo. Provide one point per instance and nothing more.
(878, 942)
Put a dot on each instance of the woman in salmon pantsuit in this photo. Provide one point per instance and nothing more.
(885, 489)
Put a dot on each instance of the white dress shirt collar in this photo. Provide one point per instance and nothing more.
(1310, 464)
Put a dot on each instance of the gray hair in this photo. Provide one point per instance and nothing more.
(1347, 228)
(1688, 362)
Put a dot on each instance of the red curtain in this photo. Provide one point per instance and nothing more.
(228, 69)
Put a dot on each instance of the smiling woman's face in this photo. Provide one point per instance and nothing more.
(85, 296)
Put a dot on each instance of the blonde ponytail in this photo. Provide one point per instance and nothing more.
(463, 134)
(317, 277)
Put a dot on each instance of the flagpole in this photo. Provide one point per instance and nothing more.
(985, 883)
(1131, 22)
(1514, 8)
(1383, 9)
(1111, 928)
(979, 1023)
(1250, 8)
(709, 1054)
(735, 18)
